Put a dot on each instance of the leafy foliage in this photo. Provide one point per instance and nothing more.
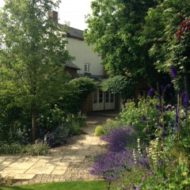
(111, 124)
(114, 30)
(142, 116)
(116, 85)
(162, 158)
(99, 130)
(57, 125)
(166, 33)
(32, 150)
(32, 55)
(135, 47)
(83, 86)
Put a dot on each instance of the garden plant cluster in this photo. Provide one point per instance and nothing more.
(148, 145)
(148, 42)
(146, 150)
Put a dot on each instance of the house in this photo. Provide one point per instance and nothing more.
(87, 63)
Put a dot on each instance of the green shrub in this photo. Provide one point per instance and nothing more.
(111, 124)
(75, 94)
(143, 116)
(13, 120)
(15, 115)
(11, 148)
(60, 126)
(51, 117)
(115, 85)
(83, 86)
(55, 117)
(75, 123)
(169, 164)
(75, 128)
(30, 149)
(99, 130)
(36, 149)
(70, 101)
(129, 178)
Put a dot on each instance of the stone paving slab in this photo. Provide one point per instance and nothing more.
(19, 176)
(58, 171)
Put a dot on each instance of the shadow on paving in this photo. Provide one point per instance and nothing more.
(85, 151)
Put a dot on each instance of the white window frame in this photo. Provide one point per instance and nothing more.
(87, 67)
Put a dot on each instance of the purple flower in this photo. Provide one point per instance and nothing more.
(185, 99)
(173, 72)
(143, 161)
(118, 139)
(150, 92)
(110, 165)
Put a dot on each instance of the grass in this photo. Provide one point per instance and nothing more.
(94, 185)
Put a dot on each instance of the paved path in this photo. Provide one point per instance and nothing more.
(66, 163)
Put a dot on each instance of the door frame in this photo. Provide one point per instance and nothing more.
(103, 101)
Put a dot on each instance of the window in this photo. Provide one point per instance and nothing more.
(87, 68)
(95, 97)
(107, 97)
(112, 98)
(100, 96)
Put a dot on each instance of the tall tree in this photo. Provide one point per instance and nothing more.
(114, 30)
(32, 54)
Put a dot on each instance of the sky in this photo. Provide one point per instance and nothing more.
(72, 12)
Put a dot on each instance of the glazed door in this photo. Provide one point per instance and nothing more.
(98, 101)
(109, 101)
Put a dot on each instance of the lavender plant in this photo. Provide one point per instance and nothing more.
(118, 139)
(111, 165)
(117, 159)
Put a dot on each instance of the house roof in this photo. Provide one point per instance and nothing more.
(71, 65)
(75, 33)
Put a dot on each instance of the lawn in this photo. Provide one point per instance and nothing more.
(61, 186)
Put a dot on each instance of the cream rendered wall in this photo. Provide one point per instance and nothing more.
(84, 54)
